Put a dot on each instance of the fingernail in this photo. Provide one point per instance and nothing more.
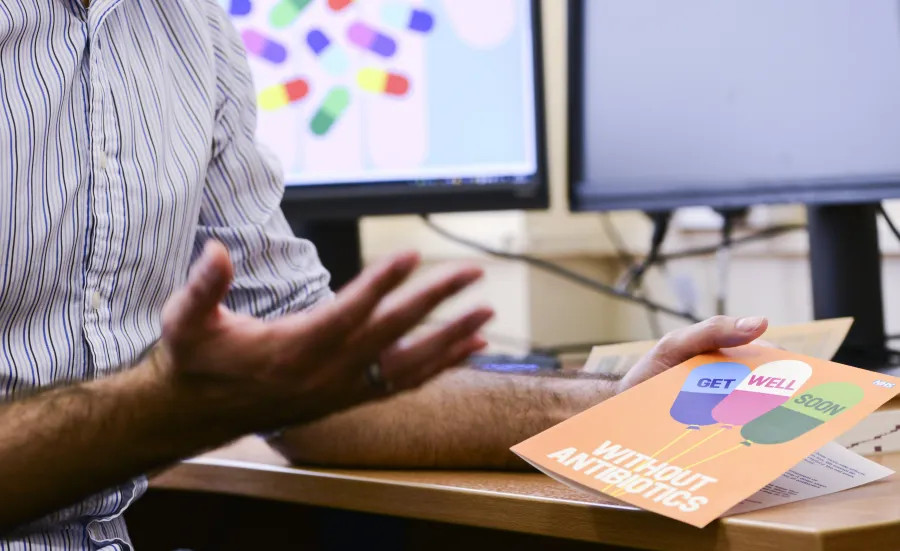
(472, 272)
(473, 276)
(463, 280)
(481, 318)
(748, 325)
(405, 261)
(209, 270)
(411, 259)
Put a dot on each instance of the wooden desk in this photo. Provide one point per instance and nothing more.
(864, 518)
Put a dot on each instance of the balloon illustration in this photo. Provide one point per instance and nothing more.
(764, 389)
(811, 409)
(705, 388)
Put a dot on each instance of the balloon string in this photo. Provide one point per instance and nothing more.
(659, 451)
(619, 492)
(697, 445)
(714, 456)
(670, 444)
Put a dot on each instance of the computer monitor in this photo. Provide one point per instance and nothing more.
(376, 107)
(729, 103)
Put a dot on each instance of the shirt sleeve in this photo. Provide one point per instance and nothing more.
(275, 272)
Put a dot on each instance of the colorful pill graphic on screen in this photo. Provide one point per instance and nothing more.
(400, 16)
(382, 82)
(764, 389)
(332, 56)
(370, 39)
(334, 104)
(285, 12)
(812, 408)
(276, 97)
(338, 5)
(705, 387)
(237, 7)
(260, 45)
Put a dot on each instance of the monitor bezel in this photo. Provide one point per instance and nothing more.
(348, 201)
(586, 198)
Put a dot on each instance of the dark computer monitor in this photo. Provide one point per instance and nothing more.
(730, 103)
(376, 107)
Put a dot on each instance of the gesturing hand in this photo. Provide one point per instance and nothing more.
(307, 365)
(681, 345)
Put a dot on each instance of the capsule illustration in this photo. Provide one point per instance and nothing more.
(285, 12)
(338, 5)
(379, 81)
(705, 388)
(262, 46)
(332, 56)
(764, 389)
(402, 16)
(810, 409)
(333, 106)
(237, 7)
(280, 95)
(371, 39)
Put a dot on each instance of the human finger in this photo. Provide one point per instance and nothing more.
(710, 335)
(194, 304)
(356, 302)
(452, 357)
(418, 352)
(683, 344)
(402, 314)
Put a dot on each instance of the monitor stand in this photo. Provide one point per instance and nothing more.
(337, 242)
(845, 262)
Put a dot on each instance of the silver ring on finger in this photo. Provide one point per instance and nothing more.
(376, 378)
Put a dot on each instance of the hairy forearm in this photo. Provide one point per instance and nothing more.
(463, 419)
(65, 444)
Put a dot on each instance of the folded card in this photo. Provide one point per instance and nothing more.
(705, 436)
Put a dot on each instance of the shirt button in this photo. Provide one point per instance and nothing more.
(96, 300)
(102, 160)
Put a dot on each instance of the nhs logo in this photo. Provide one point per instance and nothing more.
(885, 384)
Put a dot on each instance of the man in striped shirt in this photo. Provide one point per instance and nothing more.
(126, 129)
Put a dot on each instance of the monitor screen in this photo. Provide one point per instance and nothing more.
(734, 102)
(406, 99)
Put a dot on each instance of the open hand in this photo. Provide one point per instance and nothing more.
(679, 346)
(310, 364)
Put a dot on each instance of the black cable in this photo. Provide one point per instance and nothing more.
(561, 272)
(761, 235)
(652, 317)
(636, 270)
(635, 283)
(660, 229)
(612, 233)
(889, 221)
(729, 217)
(896, 232)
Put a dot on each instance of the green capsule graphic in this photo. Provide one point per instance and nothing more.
(803, 413)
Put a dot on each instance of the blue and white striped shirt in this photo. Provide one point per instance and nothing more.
(126, 141)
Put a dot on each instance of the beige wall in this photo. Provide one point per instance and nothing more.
(770, 279)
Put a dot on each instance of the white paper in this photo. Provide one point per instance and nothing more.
(832, 469)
